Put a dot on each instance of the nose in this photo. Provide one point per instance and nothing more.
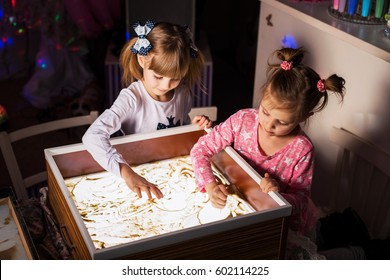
(269, 124)
(166, 84)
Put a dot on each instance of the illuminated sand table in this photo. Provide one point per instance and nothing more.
(114, 215)
(11, 239)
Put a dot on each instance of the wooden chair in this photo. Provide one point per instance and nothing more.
(7, 140)
(363, 181)
(20, 183)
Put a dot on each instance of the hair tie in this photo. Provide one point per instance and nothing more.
(193, 48)
(142, 46)
(285, 65)
(321, 86)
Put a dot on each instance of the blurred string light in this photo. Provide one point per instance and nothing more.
(6, 40)
(11, 24)
(17, 17)
(41, 63)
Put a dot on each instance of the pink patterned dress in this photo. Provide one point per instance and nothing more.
(291, 166)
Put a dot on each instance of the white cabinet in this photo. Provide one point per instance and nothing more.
(358, 53)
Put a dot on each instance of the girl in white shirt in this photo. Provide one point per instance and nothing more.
(160, 66)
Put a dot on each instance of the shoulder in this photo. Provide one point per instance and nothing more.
(245, 114)
(128, 98)
(242, 119)
(303, 143)
(182, 91)
(135, 88)
(183, 99)
(133, 92)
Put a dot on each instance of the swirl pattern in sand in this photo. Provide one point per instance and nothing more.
(114, 215)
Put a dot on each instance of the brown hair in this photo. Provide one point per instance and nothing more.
(296, 87)
(170, 56)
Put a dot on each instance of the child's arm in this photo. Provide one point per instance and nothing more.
(139, 184)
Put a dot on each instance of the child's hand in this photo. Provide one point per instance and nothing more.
(218, 195)
(138, 184)
(269, 184)
(202, 121)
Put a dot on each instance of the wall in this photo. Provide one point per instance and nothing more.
(231, 30)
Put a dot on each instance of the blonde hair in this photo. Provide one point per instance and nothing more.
(170, 56)
(296, 86)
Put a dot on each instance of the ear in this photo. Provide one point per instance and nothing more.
(141, 60)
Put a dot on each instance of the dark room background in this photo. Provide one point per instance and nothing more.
(64, 28)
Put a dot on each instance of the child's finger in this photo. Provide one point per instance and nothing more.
(157, 192)
(224, 190)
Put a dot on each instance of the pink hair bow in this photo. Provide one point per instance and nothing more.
(285, 65)
(321, 86)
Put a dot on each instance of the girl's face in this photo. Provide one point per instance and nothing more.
(159, 86)
(276, 121)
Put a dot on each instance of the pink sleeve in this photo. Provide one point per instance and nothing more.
(220, 137)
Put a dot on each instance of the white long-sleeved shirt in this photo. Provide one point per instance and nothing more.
(134, 111)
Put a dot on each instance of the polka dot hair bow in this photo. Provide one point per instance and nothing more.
(193, 48)
(142, 46)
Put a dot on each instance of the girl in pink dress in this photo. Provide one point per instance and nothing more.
(271, 138)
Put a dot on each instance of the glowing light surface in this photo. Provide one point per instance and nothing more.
(114, 215)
